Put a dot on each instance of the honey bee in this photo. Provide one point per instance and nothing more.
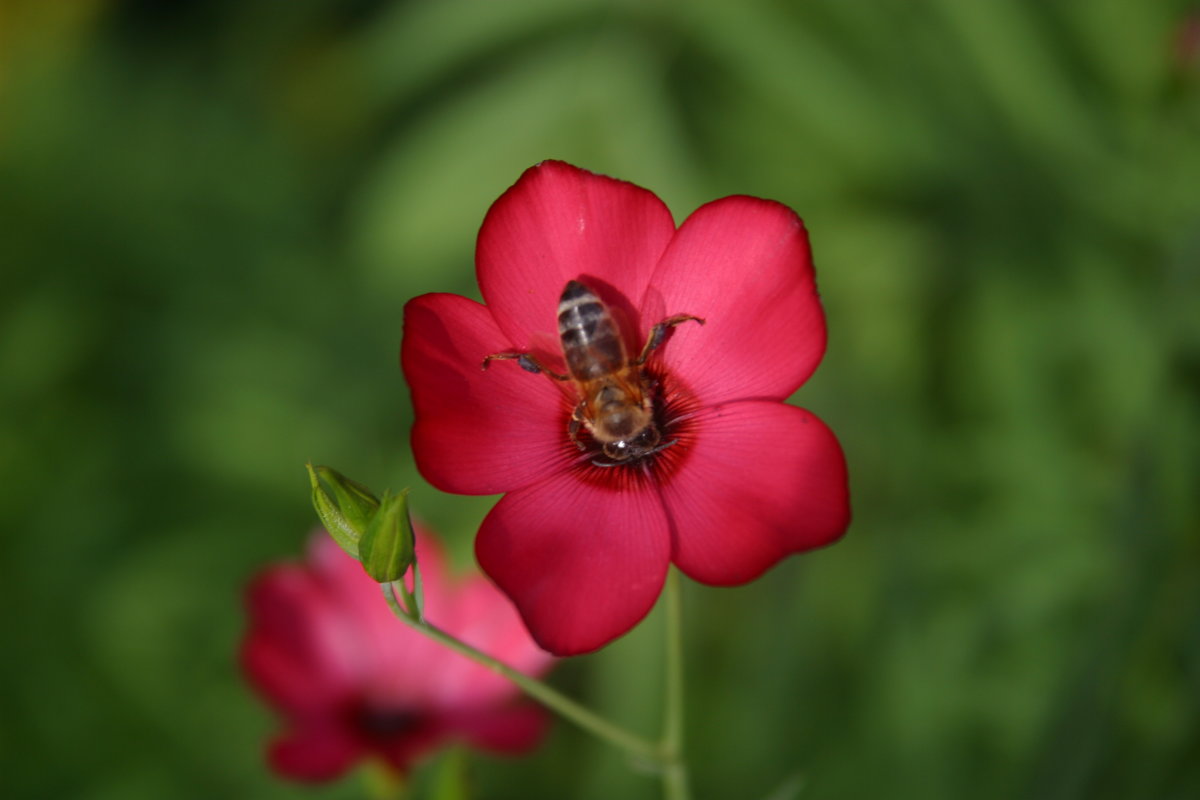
(616, 401)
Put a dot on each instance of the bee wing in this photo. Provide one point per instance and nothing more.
(547, 349)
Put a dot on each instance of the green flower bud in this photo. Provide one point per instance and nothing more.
(386, 548)
(345, 507)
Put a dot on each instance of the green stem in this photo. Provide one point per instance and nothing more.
(383, 782)
(674, 775)
(544, 694)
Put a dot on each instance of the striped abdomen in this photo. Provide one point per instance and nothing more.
(591, 342)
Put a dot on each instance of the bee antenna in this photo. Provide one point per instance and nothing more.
(661, 447)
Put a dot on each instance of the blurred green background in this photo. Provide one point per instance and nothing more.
(212, 213)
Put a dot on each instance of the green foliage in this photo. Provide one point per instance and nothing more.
(211, 215)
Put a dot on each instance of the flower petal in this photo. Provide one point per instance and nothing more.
(314, 753)
(744, 265)
(763, 479)
(557, 223)
(583, 563)
(397, 666)
(476, 431)
(296, 651)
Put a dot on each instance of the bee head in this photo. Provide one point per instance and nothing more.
(639, 445)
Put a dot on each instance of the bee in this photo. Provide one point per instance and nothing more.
(616, 398)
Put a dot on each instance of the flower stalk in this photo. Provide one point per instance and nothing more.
(675, 776)
(667, 754)
(384, 782)
(551, 698)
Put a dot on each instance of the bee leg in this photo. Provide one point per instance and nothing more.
(659, 332)
(573, 427)
(526, 362)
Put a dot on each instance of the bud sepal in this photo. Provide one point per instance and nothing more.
(344, 506)
(386, 548)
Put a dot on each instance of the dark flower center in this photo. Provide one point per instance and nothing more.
(378, 722)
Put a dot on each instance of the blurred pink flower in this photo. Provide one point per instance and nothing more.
(351, 681)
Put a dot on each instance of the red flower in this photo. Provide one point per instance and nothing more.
(582, 541)
(353, 681)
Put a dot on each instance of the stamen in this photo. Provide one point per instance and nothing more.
(582, 457)
(679, 418)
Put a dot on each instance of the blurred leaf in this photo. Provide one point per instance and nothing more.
(790, 789)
